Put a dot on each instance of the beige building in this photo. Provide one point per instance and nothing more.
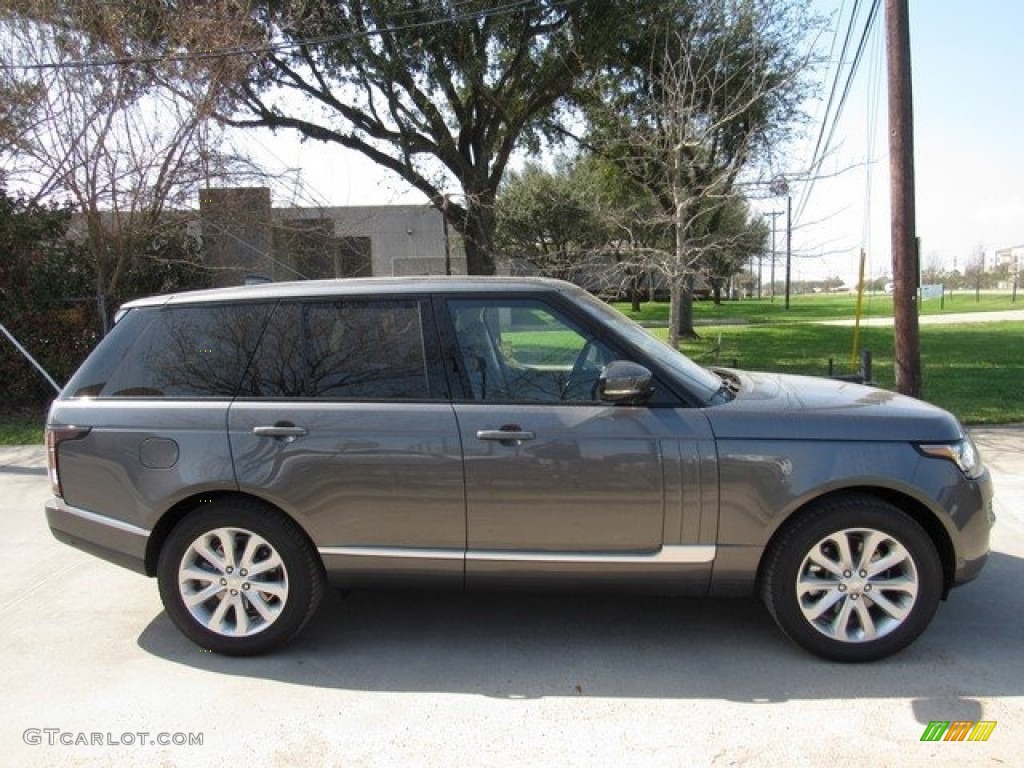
(246, 237)
(1011, 257)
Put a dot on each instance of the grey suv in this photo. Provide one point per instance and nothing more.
(248, 446)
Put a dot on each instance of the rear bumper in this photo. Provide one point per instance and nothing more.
(104, 537)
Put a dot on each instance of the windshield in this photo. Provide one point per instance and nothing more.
(700, 380)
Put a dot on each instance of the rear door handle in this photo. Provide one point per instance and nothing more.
(510, 435)
(288, 431)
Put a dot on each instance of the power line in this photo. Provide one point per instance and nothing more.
(871, 128)
(819, 156)
(835, 80)
(270, 48)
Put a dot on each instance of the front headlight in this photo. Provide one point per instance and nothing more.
(963, 453)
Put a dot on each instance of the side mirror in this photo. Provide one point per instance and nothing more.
(624, 382)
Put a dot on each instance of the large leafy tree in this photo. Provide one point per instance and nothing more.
(441, 92)
(550, 219)
(38, 268)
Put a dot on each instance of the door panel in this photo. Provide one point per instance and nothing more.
(366, 480)
(559, 486)
(600, 496)
(589, 480)
(345, 424)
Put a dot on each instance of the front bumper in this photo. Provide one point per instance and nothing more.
(974, 528)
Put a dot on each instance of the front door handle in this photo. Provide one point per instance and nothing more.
(508, 435)
(283, 429)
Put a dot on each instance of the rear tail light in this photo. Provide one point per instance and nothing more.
(54, 437)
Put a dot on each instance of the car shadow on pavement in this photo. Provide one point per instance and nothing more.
(17, 469)
(530, 646)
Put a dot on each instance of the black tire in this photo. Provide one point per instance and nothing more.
(243, 613)
(852, 614)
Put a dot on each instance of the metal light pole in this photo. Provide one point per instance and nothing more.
(773, 214)
(789, 242)
(780, 187)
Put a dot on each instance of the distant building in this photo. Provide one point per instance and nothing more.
(1010, 257)
(243, 235)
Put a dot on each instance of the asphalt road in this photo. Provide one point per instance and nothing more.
(439, 680)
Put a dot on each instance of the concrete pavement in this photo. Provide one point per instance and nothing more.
(953, 318)
(404, 679)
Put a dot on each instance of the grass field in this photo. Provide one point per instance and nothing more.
(815, 307)
(974, 370)
(22, 428)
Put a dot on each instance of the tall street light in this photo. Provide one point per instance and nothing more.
(780, 187)
(773, 214)
(789, 243)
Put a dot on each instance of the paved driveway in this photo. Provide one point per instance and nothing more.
(955, 318)
(439, 680)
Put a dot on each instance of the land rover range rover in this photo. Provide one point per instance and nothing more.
(250, 446)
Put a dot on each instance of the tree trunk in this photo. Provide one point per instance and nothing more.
(675, 290)
(684, 316)
(476, 224)
(681, 287)
(97, 251)
(635, 279)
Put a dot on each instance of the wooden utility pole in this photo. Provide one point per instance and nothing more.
(901, 170)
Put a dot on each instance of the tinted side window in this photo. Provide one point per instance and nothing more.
(179, 352)
(350, 349)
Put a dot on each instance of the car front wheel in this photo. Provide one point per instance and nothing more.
(852, 579)
(239, 578)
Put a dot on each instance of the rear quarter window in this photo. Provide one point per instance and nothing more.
(197, 351)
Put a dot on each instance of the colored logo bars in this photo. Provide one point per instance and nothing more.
(958, 730)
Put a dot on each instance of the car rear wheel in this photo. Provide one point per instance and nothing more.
(239, 578)
(852, 579)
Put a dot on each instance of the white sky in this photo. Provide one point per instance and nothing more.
(969, 152)
(969, 147)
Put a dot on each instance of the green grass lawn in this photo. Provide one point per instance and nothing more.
(22, 428)
(975, 371)
(811, 307)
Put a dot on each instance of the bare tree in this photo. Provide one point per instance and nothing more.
(96, 130)
(719, 90)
